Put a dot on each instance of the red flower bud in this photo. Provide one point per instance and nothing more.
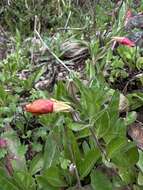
(3, 143)
(128, 16)
(44, 106)
(124, 41)
(40, 107)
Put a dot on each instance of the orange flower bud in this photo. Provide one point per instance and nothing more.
(44, 106)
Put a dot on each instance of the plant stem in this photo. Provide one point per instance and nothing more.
(52, 53)
(66, 25)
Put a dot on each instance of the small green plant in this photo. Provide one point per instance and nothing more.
(73, 149)
(86, 148)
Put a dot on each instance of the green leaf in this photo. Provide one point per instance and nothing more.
(85, 147)
(140, 161)
(122, 13)
(54, 177)
(6, 182)
(131, 117)
(115, 146)
(36, 164)
(117, 129)
(92, 98)
(115, 126)
(24, 180)
(43, 183)
(140, 178)
(82, 134)
(136, 187)
(77, 127)
(3, 96)
(50, 151)
(3, 153)
(103, 124)
(64, 163)
(88, 162)
(113, 108)
(60, 91)
(128, 175)
(71, 145)
(135, 100)
(39, 73)
(20, 180)
(99, 181)
(126, 158)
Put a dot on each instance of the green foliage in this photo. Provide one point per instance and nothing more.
(50, 152)
(53, 176)
(100, 181)
(60, 150)
(88, 162)
(98, 109)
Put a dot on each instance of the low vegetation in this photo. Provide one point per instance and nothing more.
(71, 96)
